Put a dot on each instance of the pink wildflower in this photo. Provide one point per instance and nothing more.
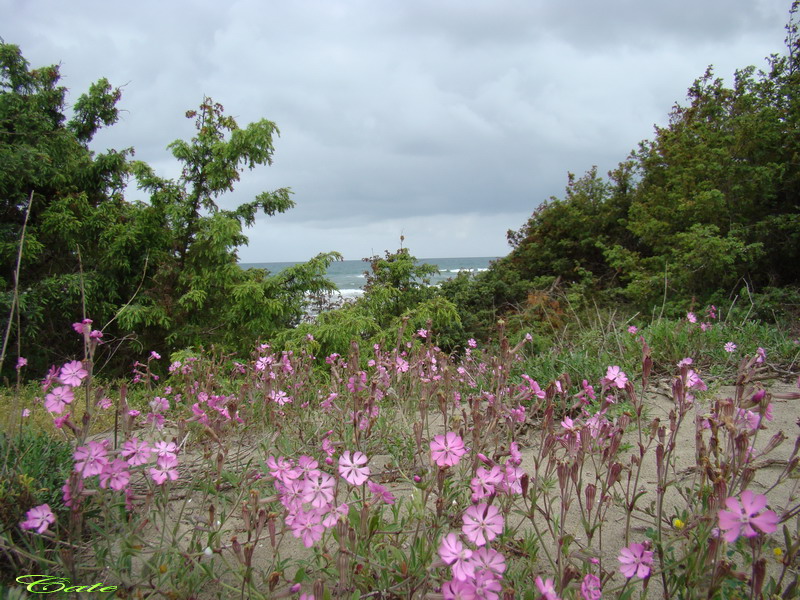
(72, 373)
(616, 377)
(742, 518)
(459, 590)
(488, 559)
(453, 552)
(484, 483)
(487, 586)
(308, 526)
(447, 449)
(318, 491)
(354, 469)
(163, 449)
(90, 459)
(21, 362)
(381, 492)
(115, 475)
(591, 588)
(547, 588)
(691, 317)
(279, 397)
(165, 469)
(39, 518)
(83, 327)
(633, 329)
(282, 469)
(136, 452)
(482, 523)
(335, 515)
(56, 400)
(730, 347)
(635, 560)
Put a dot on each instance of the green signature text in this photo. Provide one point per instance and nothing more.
(47, 584)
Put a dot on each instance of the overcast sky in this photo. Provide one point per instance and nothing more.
(446, 121)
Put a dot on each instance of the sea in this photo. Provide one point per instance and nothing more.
(349, 275)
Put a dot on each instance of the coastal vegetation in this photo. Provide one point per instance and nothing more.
(608, 411)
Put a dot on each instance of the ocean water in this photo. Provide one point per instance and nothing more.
(348, 275)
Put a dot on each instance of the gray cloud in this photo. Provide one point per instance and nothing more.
(425, 117)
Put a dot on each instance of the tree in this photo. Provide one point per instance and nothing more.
(199, 295)
(75, 202)
(162, 271)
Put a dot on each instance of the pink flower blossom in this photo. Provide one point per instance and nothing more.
(381, 492)
(318, 491)
(83, 327)
(761, 355)
(357, 382)
(547, 588)
(485, 482)
(591, 588)
(39, 518)
(68, 493)
(617, 377)
(453, 552)
(489, 559)
(354, 469)
(705, 326)
(487, 586)
(693, 381)
(472, 343)
(90, 459)
(691, 317)
(335, 515)
(163, 449)
(72, 373)
(730, 347)
(459, 590)
(59, 422)
(159, 404)
(282, 469)
(482, 523)
(633, 329)
(447, 449)
(279, 397)
(635, 560)
(56, 401)
(116, 475)
(136, 452)
(308, 526)
(26, 413)
(164, 469)
(21, 362)
(742, 518)
(308, 467)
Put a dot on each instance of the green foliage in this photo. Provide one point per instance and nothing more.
(709, 204)
(34, 467)
(396, 298)
(162, 271)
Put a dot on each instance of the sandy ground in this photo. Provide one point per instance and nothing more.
(189, 511)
